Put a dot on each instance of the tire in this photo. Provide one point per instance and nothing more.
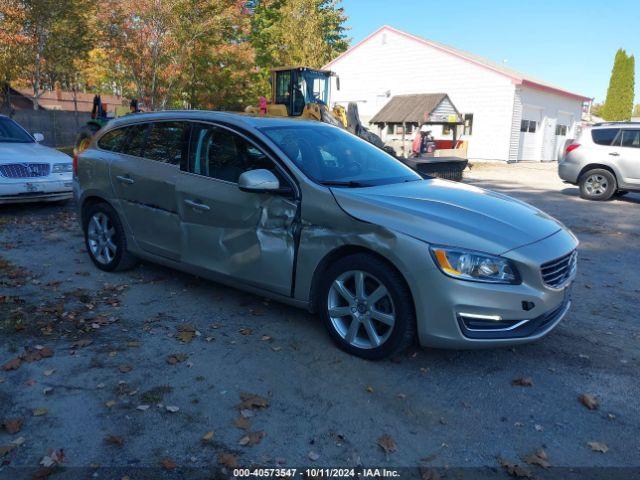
(83, 139)
(340, 307)
(597, 184)
(102, 218)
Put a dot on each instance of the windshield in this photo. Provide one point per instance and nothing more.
(11, 132)
(332, 156)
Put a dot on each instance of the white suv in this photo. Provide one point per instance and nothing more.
(604, 160)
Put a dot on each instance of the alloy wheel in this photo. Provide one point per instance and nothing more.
(596, 185)
(100, 236)
(361, 309)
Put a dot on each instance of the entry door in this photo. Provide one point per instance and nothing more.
(144, 180)
(248, 237)
(530, 148)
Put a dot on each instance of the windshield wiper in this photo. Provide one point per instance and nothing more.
(342, 183)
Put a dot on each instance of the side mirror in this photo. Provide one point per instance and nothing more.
(258, 181)
(38, 137)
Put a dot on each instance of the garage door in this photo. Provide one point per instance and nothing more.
(529, 134)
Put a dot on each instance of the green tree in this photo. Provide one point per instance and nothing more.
(619, 102)
(298, 32)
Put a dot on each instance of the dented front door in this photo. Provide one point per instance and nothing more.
(245, 236)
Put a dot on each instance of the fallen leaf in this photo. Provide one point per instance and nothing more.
(12, 365)
(38, 412)
(539, 458)
(387, 444)
(429, 474)
(109, 403)
(4, 449)
(242, 423)
(47, 390)
(176, 358)
(313, 456)
(251, 401)
(522, 382)
(246, 331)
(12, 425)
(83, 342)
(143, 408)
(52, 458)
(589, 401)
(186, 333)
(114, 440)
(168, 464)
(207, 436)
(598, 447)
(252, 438)
(228, 460)
(125, 368)
(172, 408)
(514, 469)
(369, 389)
(48, 373)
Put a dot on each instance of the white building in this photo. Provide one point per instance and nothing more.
(509, 115)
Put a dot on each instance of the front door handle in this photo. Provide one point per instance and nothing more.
(197, 206)
(614, 154)
(125, 179)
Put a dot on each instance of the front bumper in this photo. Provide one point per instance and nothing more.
(35, 190)
(457, 314)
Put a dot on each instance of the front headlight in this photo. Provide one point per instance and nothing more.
(62, 168)
(474, 266)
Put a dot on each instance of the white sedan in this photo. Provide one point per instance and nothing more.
(30, 172)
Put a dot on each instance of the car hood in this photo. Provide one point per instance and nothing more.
(449, 213)
(30, 152)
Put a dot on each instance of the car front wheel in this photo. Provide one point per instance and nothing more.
(367, 307)
(105, 239)
(597, 184)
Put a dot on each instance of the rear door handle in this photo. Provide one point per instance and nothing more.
(124, 179)
(197, 206)
(614, 154)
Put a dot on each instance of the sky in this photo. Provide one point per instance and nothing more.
(569, 43)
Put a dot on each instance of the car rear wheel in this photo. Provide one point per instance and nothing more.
(367, 307)
(597, 184)
(105, 239)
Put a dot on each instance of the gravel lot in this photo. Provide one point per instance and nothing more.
(269, 384)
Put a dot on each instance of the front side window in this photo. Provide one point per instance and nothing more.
(11, 132)
(631, 138)
(135, 141)
(113, 140)
(331, 156)
(167, 142)
(219, 153)
(604, 136)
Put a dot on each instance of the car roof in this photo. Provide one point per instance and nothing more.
(244, 119)
(616, 125)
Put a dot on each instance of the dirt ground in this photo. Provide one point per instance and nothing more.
(154, 372)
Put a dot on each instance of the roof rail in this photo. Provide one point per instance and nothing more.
(625, 122)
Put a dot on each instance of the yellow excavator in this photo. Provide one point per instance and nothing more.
(305, 93)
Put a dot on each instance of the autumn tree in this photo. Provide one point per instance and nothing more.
(12, 49)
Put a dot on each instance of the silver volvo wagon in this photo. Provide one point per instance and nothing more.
(313, 216)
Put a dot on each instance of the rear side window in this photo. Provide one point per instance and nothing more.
(167, 142)
(134, 143)
(631, 138)
(604, 136)
(113, 140)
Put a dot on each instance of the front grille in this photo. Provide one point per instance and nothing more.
(559, 272)
(24, 170)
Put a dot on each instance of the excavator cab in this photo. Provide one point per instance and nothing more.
(295, 88)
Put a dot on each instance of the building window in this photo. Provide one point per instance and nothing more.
(468, 123)
(390, 128)
(446, 129)
(399, 129)
(561, 130)
(528, 126)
